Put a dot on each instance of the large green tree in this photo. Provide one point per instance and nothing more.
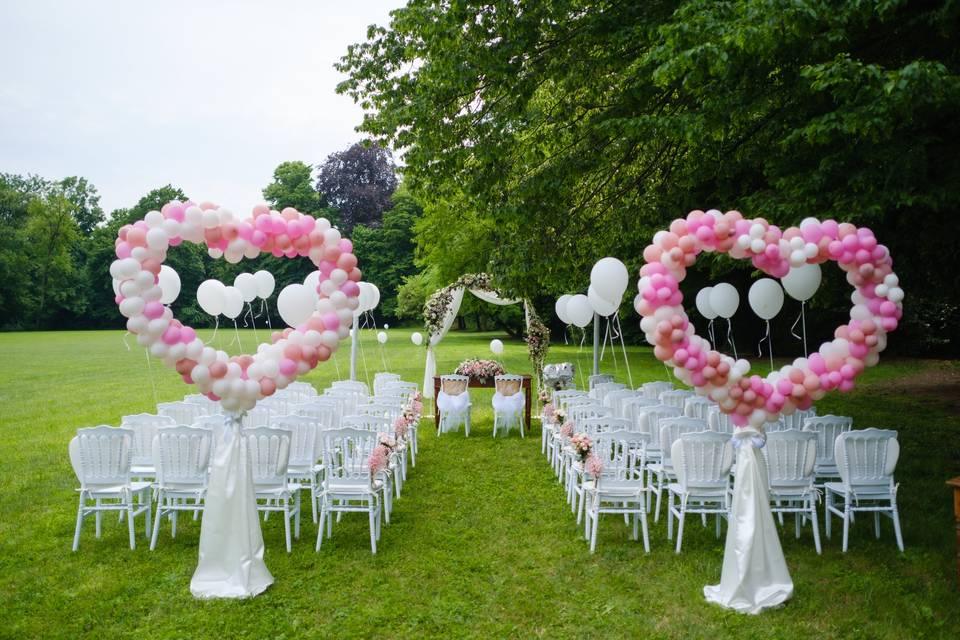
(574, 129)
(292, 186)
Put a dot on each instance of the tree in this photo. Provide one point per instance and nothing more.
(385, 254)
(577, 129)
(50, 233)
(85, 203)
(292, 186)
(358, 182)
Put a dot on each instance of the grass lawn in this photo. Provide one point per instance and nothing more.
(482, 543)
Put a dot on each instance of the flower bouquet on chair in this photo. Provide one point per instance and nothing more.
(480, 370)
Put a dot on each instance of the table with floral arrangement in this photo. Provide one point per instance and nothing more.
(482, 374)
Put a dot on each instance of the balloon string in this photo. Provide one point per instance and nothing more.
(579, 351)
(363, 356)
(801, 319)
(265, 308)
(565, 327)
(236, 337)
(613, 352)
(730, 341)
(252, 322)
(713, 337)
(124, 338)
(769, 342)
(216, 325)
(336, 365)
(623, 345)
(156, 399)
(603, 343)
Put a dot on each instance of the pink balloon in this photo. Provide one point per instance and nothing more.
(288, 367)
(171, 336)
(153, 310)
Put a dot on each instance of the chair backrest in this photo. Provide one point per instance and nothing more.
(144, 426)
(101, 455)
(791, 456)
(600, 391)
(181, 412)
(719, 421)
(598, 378)
(357, 385)
(649, 418)
(560, 396)
(454, 385)
(375, 423)
(350, 396)
(697, 407)
(702, 459)
(596, 426)
(508, 384)
(569, 402)
(673, 428)
(383, 410)
(382, 378)
(209, 422)
(259, 416)
(797, 418)
(629, 408)
(209, 406)
(269, 453)
(182, 455)
(615, 399)
(401, 387)
(774, 426)
(653, 390)
(675, 397)
(344, 454)
(827, 428)
(322, 407)
(623, 454)
(303, 389)
(303, 439)
(583, 412)
(867, 457)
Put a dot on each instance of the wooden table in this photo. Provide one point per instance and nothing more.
(486, 383)
(955, 483)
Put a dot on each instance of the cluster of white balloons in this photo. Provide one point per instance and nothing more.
(216, 298)
(765, 295)
(608, 283)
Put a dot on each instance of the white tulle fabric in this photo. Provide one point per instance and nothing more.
(454, 405)
(231, 544)
(754, 575)
(508, 405)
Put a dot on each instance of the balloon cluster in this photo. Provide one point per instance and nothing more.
(749, 399)
(238, 382)
(608, 282)
(215, 298)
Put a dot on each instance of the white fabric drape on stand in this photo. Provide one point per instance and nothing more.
(231, 544)
(492, 297)
(754, 575)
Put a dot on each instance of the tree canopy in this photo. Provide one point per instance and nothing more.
(358, 182)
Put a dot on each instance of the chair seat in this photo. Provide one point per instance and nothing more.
(143, 470)
(872, 492)
(110, 491)
(698, 493)
(358, 486)
(277, 492)
(183, 487)
(296, 470)
(613, 488)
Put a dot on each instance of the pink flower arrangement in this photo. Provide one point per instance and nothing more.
(388, 441)
(379, 459)
(582, 446)
(559, 416)
(480, 368)
(401, 427)
(548, 410)
(417, 396)
(567, 429)
(593, 465)
(544, 396)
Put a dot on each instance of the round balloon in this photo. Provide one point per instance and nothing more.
(211, 296)
(609, 277)
(169, 284)
(724, 299)
(703, 303)
(265, 284)
(496, 346)
(802, 282)
(233, 302)
(579, 310)
(765, 298)
(600, 304)
(416, 338)
(561, 308)
(375, 296)
(247, 284)
(382, 337)
(295, 304)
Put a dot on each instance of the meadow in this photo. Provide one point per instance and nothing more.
(481, 544)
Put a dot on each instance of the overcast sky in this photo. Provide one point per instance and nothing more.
(206, 95)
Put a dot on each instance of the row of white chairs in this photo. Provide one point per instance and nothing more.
(118, 469)
(801, 455)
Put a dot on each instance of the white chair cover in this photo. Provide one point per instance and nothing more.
(231, 544)
(511, 404)
(754, 575)
(452, 404)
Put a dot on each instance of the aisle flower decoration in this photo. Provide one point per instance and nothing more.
(593, 465)
(401, 427)
(582, 446)
(544, 397)
(538, 342)
(388, 441)
(480, 369)
(559, 416)
(379, 460)
(566, 430)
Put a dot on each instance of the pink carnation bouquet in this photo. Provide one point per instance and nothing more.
(582, 446)
(593, 465)
(401, 427)
(567, 429)
(379, 460)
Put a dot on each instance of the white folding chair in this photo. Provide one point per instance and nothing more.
(209, 422)
(621, 488)
(453, 401)
(701, 461)
(630, 409)
(349, 397)
(866, 461)
(615, 399)
(348, 485)
(100, 457)
(183, 462)
(269, 455)
(181, 412)
(790, 456)
(356, 385)
(599, 391)
(827, 428)
(302, 466)
(144, 426)
(383, 378)
(663, 471)
(593, 427)
(647, 421)
(257, 417)
(508, 402)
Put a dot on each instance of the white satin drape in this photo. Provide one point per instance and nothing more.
(231, 544)
(754, 575)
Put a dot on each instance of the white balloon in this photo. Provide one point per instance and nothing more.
(802, 282)
(561, 308)
(724, 299)
(416, 338)
(579, 310)
(169, 284)
(157, 238)
(609, 277)
(382, 337)
(295, 304)
(496, 346)
(600, 304)
(265, 284)
(366, 297)
(386, 326)
(211, 296)
(233, 302)
(312, 281)
(765, 298)
(703, 303)
(247, 284)
(375, 300)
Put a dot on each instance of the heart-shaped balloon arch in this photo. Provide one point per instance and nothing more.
(238, 382)
(752, 399)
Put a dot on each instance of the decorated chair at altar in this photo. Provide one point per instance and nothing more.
(453, 401)
(508, 403)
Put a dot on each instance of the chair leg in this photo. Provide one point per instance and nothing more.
(593, 531)
(76, 531)
(99, 519)
(846, 523)
(876, 523)
(156, 524)
(656, 514)
(373, 528)
(130, 524)
(718, 526)
(646, 533)
(896, 526)
(296, 517)
(669, 515)
(323, 517)
(816, 529)
(683, 514)
(827, 525)
(149, 513)
(796, 524)
(286, 524)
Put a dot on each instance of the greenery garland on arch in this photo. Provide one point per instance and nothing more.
(435, 309)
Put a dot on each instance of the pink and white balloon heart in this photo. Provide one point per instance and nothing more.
(238, 382)
(877, 308)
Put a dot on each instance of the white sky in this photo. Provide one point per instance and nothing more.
(206, 95)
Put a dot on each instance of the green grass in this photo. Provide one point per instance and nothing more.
(482, 543)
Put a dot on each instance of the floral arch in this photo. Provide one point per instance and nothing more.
(441, 310)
